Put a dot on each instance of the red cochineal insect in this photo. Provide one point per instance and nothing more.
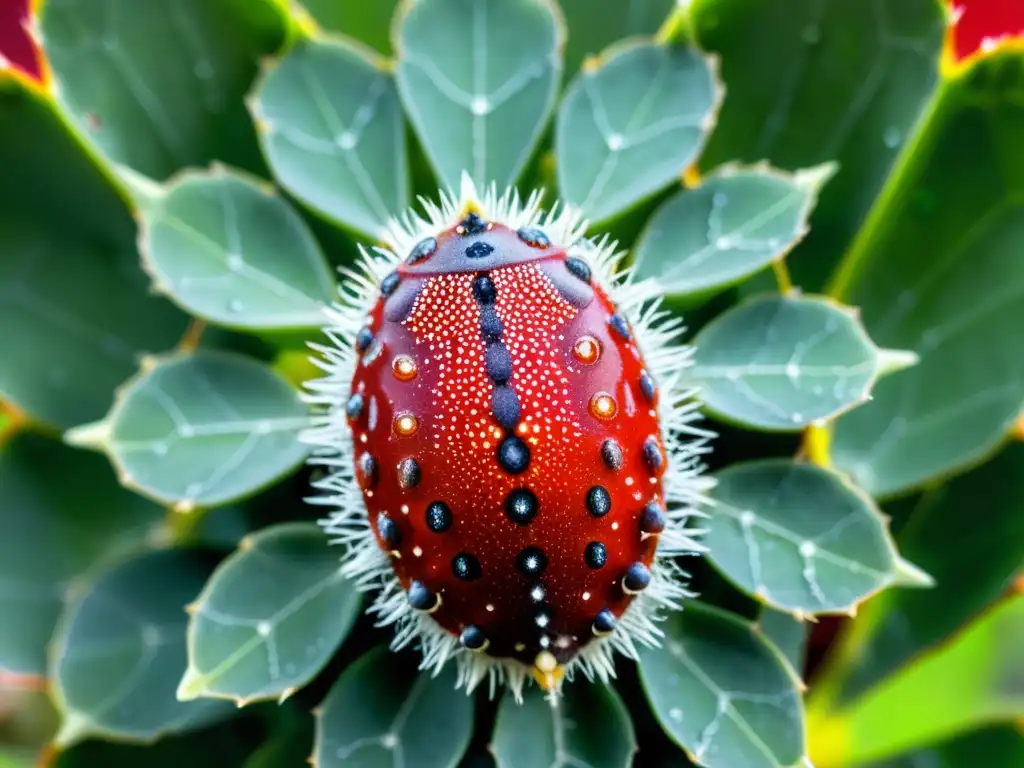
(510, 442)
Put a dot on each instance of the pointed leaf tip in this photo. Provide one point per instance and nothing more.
(906, 574)
(95, 436)
(191, 687)
(893, 360)
(813, 179)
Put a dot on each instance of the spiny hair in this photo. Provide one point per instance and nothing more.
(347, 523)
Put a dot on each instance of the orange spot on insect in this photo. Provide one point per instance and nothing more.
(603, 405)
(406, 424)
(404, 368)
(587, 350)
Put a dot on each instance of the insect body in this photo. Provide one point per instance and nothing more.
(509, 453)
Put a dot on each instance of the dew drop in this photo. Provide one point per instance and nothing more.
(235, 262)
(892, 137)
(587, 350)
(615, 142)
(235, 305)
(406, 424)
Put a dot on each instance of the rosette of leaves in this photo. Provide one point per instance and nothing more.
(832, 205)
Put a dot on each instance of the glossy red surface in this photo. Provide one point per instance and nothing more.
(457, 437)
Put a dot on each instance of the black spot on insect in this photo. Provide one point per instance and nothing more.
(505, 406)
(490, 324)
(599, 502)
(637, 578)
(648, 387)
(409, 473)
(533, 237)
(604, 623)
(422, 250)
(354, 406)
(579, 268)
(652, 519)
(611, 454)
(366, 468)
(532, 561)
(473, 638)
(471, 225)
(513, 455)
(421, 598)
(389, 284)
(620, 326)
(595, 555)
(653, 457)
(439, 516)
(498, 362)
(521, 506)
(389, 532)
(483, 290)
(466, 567)
(363, 339)
(479, 250)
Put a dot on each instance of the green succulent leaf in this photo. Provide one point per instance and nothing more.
(811, 83)
(975, 679)
(331, 127)
(230, 250)
(60, 253)
(202, 429)
(632, 124)
(120, 649)
(784, 362)
(379, 716)
(800, 537)
(788, 633)
(159, 87)
(722, 693)
(479, 79)
(734, 224)
(589, 727)
(51, 537)
(937, 270)
(369, 23)
(270, 617)
(595, 24)
(973, 562)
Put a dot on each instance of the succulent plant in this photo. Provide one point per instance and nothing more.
(511, 381)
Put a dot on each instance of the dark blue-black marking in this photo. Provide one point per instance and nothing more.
(513, 453)
(620, 326)
(472, 225)
(389, 284)
(354, 406)
(479, 250)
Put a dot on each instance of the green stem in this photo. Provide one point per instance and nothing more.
(676, 28)
(782, 278)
